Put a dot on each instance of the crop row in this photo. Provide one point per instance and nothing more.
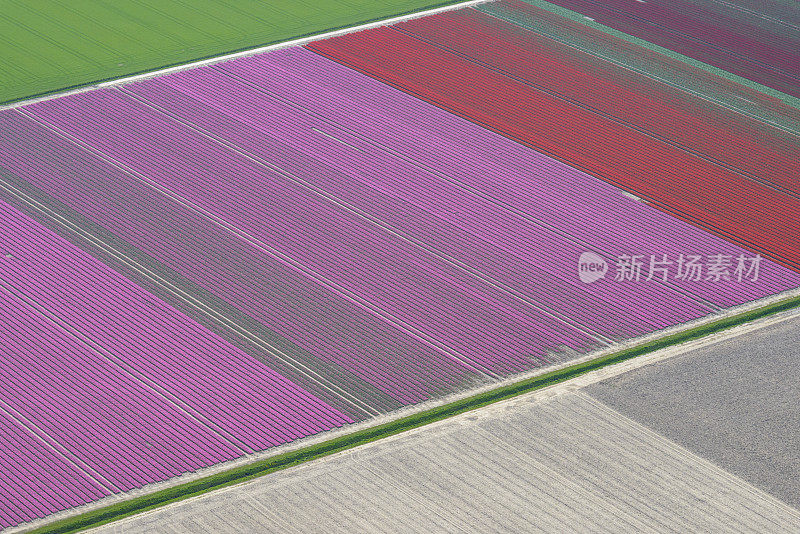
(688, 122)
(29, 490)
(741, 41)
(700, 191)
(121, 384)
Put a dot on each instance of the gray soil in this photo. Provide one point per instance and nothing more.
(736, 404)
(565, 464)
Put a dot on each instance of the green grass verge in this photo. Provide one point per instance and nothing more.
(240, 474)
(577, 17)
(49, 46)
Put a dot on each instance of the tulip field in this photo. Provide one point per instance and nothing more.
(750, 38)
(202, 265)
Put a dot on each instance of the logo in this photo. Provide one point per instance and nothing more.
(591, 267)
(715, 268)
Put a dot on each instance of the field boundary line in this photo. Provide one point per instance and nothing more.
(427, 413)
(668, 444)
(237, 53)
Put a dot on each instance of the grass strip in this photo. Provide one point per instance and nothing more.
(247, 472)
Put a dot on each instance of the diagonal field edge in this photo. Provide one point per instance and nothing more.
(225, 55)
(578, 17)
(247, 472)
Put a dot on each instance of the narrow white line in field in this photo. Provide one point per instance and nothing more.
(387, 227)
(301, 268)
(757, 14)
(59, 450)
(253, 51)
(191, 301)
(317, 130)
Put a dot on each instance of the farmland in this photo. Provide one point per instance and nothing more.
(121, 347)
(52, 45)
(681, 73)
(756, 40)
(747, 426)
(564, 464)
(203, 266)
(699, 181)
(401, 286)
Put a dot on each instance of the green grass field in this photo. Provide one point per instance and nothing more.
(52, 45)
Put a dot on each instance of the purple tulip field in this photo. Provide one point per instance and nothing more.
(203, 265)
